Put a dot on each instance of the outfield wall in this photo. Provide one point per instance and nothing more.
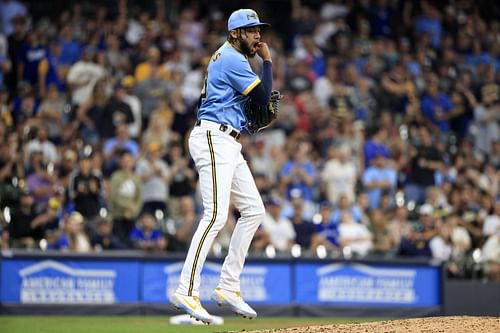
(138, 283)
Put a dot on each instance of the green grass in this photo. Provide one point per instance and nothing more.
(149, 324)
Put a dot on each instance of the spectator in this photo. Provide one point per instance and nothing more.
(51, 113)
(461, 244)
(104, 239)
(16, 42)
(150, 91)
(299, 173)
(304, 229)
(492, 221)
(125, 196)
(399, 226)
(279, 229)
(117, 59)
(70, 49)
(156, 177)
(326, 230)
(115, 112)
(376, 146)
(5, 65)
(146, 236)
(30, 59)
(416, 244)
(21, 232)
(88, 114)
(354, 237)
(381, 16)
(425, 161)
(430, 23)
(398, 89)
(185, 223)
(73, 238)
(261, 162)
(158, 131)
(325, 86)
(339, 176)
(11, 169)
(83, 76)
(66, 167)
(42, 182)
(441, 244)
(115, 145)
(145, 70)
(486, 116)
(491, 257)
(312, 55)
(384, 242)
(42, 144)
(182, 178)
(134, 128)
(85, 190)
(437, 108)
(380, 177)
(343, 205)
(50, 70)
(9, 11)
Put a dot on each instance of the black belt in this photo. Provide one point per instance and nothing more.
(235, 134)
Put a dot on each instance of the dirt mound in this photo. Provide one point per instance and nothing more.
(418, 325)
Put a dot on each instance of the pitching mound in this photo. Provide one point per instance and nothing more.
(418, 325)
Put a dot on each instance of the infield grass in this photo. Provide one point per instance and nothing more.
(150, 324)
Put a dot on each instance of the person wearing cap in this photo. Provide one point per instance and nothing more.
(128, 84)
(223, 171)
(417, 242)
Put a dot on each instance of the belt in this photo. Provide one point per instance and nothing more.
(222, 127)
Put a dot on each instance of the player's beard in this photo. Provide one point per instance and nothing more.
(246, 48)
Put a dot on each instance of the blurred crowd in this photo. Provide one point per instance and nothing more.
(387, 143)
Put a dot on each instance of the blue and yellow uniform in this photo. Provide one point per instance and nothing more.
(229, 81)
(223, 172)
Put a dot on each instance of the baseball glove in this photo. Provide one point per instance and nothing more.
(259, 117)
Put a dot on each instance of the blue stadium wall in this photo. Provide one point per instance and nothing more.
(138, 283)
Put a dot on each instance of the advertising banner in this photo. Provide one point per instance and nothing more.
(362, 284)
(69, 282)
(260, 283)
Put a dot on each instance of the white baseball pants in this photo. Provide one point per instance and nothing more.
(223, 172)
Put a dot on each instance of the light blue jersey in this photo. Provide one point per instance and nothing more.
(228, 82)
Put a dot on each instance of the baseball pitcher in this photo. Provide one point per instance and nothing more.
(233, 98)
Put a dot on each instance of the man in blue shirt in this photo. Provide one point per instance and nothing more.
(299, 173)
(437, 107)
(379, 178)
(223, 171)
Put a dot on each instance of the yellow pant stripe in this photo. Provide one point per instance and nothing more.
(214, 214)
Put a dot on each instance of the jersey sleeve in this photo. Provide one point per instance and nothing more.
(240, 75)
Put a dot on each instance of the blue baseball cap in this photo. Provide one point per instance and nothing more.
(244, 18)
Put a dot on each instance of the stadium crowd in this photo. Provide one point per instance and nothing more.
(387, 143)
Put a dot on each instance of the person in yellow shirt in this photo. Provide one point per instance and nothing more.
(144, 70)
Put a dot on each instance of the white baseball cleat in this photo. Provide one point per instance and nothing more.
(234, 300)
(191, 305)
